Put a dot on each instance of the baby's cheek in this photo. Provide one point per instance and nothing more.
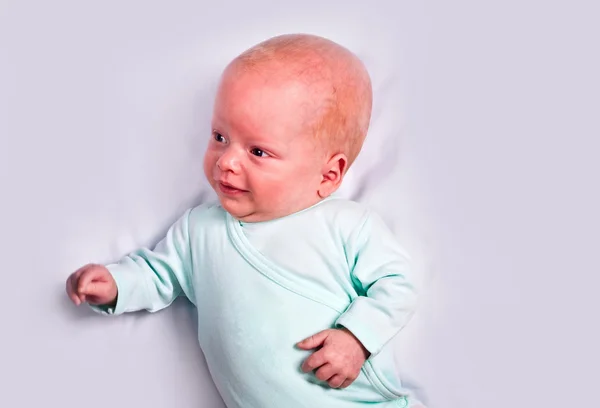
(278, 190)
(270, 195)
(209, 163)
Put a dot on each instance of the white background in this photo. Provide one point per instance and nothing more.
(483, 157)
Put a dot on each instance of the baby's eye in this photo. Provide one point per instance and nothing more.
(218, 137)
(258, 152)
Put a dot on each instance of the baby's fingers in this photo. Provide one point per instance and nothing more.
(92, 288)
(326, 372)
(314, 361)
(87, 284)
(336, 381)
(346, 383)
(71, 291)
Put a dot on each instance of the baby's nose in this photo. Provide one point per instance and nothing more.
(229, 161)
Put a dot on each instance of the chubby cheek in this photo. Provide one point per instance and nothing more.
(283, 190)
(269, 193)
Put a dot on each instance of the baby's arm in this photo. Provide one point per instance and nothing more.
(385, 282)
(383, 278)
(146, 279)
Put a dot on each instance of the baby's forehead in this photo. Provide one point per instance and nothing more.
(276, 82)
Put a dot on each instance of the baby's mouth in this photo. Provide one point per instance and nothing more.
(229, 189)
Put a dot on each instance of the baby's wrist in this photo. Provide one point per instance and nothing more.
(366, 353)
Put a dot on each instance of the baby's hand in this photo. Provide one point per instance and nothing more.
(339, 360)
(93, 284)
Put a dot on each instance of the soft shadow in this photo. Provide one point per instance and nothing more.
(381, 169)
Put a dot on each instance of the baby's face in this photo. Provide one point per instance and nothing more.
(262, 159)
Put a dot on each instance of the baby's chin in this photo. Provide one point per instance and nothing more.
(238, 209)
(246, 212)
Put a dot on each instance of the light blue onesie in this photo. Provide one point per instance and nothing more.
(260, 288)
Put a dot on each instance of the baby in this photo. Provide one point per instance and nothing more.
(298, 292)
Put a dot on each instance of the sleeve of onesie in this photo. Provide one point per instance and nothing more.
(383, 277)
(152, 279)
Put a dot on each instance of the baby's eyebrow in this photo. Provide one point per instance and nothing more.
(274, 144)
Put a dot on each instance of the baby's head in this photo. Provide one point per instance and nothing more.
(290, 118)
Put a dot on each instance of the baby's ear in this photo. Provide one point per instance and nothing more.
(333, 174)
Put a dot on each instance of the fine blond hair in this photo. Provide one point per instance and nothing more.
(342, 85)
